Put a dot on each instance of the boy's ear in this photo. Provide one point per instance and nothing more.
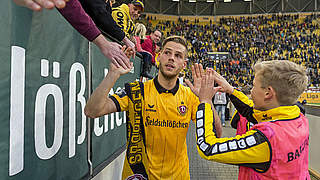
(269, 93)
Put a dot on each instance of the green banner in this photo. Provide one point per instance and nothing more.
(44, 130)
(44, 88)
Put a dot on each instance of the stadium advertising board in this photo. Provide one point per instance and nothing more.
(310, 97)
(44, 88)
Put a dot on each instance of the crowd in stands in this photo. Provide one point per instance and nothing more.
(247, 40)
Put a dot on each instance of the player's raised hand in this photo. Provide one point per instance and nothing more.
(207, 89)
(119, 69)
(113, 51)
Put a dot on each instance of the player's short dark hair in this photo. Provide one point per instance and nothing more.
(177, 39)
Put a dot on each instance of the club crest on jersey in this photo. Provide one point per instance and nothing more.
(182, 110)
(136, 177)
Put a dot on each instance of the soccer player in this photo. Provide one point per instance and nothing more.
(276, 147)
(159, 113)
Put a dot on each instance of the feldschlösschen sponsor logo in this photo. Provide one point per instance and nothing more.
(165, 123)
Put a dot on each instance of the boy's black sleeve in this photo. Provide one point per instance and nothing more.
(242, 104)
(251, 149)
(100, 13)
(234, 120)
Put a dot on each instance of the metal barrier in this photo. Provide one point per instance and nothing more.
(313, 114)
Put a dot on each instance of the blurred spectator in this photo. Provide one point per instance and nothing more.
(140, 35)
(220, 103)
(249, 39)
(150, 44)
(124, 15)
(100, 12)
(78, 18)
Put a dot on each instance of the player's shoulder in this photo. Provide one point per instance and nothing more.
(186, 90)
(148, 83)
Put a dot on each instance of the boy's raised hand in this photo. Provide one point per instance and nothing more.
(223, 83)
(197, 73)
(207, 89)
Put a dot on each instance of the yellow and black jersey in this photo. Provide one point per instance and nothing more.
(245, 107)
(251, 149)
(123, 19)
(166, 116)
(236, 118)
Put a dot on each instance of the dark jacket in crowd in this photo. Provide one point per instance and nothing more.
(100, 12)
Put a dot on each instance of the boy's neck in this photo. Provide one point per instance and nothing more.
(270, 105)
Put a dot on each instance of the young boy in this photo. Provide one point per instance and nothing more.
(276, 147)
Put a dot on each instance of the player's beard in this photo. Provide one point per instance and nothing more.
(167, 75)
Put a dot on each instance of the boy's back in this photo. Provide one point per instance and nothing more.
(288, 139)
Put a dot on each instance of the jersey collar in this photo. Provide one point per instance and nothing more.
(161, 89)
(276, 114)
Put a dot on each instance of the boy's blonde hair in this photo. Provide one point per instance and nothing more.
(140, 31)
(288, 79)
